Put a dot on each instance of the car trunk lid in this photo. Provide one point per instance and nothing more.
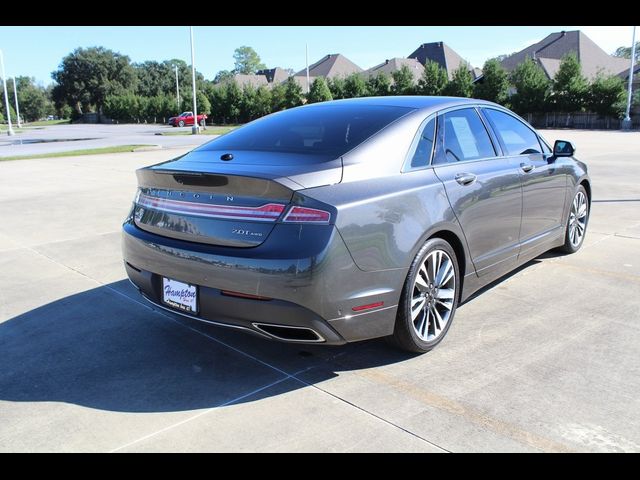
(200, 198)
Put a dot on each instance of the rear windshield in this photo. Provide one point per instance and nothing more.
(326, 131)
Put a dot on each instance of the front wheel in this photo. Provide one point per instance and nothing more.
(181, 123)
(577, 222)
(429, 298)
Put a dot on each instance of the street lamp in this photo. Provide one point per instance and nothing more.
(6, 98)
(15, 96)
(177, 87)
(195, 128)
(626, 123)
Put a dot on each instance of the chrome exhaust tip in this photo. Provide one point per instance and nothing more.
(288, 333)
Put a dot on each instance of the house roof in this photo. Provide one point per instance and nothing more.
(255, 81)
(549, 51)
(274, 75)
(395, 64)
(330, 66)
(442, 54)
(302, 81)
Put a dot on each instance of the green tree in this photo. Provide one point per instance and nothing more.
(319, 91)
(87, 76)
(247, 60)
(434, 79)
(262, 105)
(379, 85)
(233, 102)
(532, 88)
(278, 97)
(606, 95)
(33, 99)
(569, 85)
(625, 52)
(494, 83)
(337, 87)
(355, 86)
(403, 83)
(293, 96)
(461, 85)
(222, 76)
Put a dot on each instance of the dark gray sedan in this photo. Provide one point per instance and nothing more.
(353, 219)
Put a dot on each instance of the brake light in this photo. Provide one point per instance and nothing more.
(269, 212)
(307, 215)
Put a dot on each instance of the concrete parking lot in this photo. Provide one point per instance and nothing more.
(544, 360)
(64, 138)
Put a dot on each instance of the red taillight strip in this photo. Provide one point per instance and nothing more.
(307, 215)
(369, 306)
(269, 212)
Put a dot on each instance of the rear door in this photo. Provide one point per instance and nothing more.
(483, 188)
(543, 184)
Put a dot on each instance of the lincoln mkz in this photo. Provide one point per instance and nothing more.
(353, 219)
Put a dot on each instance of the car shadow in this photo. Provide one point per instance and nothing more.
(106, 349)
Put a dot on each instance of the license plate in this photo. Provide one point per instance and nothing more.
(179, 295)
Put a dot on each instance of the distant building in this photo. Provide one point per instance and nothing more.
(549, 51)
(395, 64)
(244, 80)
(443, 55)
(331, 66)
(267, 77)
(274, 75)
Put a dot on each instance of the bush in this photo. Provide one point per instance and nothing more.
(570, 88)
(319, 91)
(495, 83)
(434, 79)
(606, 95)
(532, 88)
(461, 85)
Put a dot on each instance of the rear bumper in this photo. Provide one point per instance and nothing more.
(312, 281)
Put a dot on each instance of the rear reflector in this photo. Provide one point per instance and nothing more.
(229, 293)
(269, 212)
(367, 307)
(307, 215)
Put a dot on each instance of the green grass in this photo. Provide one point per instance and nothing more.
(45, 123)
(76, 153)
(209, 131)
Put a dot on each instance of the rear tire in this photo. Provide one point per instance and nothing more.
(429, 298)
(577, 221)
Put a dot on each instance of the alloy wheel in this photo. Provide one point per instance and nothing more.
(578, 219)
(433, 295)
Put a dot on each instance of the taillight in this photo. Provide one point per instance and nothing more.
(306, 215)
(269, 212)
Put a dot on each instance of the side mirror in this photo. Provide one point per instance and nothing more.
(563, 148)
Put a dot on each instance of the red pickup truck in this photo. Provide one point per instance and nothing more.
(186, 118)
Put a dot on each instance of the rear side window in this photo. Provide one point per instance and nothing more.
(318, 131)
(465, 137)
(516, 137)
(424, 146)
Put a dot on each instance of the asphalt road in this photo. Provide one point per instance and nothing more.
(545, 360)
(64, 138)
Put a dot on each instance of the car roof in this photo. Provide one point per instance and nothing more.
(420, 102)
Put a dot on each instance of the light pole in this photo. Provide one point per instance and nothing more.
(195, 128)
(306, 48)
(6, 98)
(177, 87)
(15, 96)
(626, 123)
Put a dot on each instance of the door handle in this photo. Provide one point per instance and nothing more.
(526, 167)
(465, 178)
